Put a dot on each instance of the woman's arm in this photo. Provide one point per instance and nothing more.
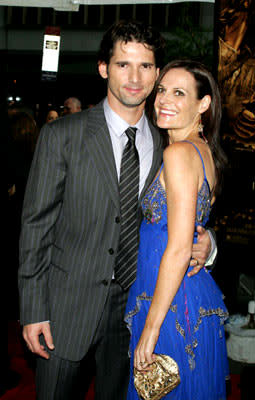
(181, 179)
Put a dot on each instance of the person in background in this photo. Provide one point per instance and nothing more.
(23, 135)
(71, 105)
(169, 312)
(51, 116)
(8, 284)
(74, 275)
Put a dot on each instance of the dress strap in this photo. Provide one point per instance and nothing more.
(199, 156)
(160, 169)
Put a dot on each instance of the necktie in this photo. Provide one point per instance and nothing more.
(125, 267)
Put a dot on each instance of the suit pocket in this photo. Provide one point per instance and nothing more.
(57, 273)
(57, 277)
(57, 257)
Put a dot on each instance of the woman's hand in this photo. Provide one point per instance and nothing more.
(144, 356)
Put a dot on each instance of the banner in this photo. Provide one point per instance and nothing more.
(51, 47)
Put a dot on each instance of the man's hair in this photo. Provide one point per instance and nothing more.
(132, 31)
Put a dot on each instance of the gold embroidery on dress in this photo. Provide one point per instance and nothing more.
(202, 313)
(152, 209)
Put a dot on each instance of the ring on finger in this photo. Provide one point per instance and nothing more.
(142, 362)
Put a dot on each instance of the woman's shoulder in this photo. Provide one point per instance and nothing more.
(179, 152)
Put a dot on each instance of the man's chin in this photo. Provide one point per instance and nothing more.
(134, 103)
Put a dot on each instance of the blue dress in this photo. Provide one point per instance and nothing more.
(193, 330)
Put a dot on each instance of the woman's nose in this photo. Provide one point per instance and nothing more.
(164, 98)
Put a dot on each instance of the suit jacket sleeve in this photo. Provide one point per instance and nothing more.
(212, 258)
(42, 204)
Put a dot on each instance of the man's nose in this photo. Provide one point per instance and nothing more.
(134, 75)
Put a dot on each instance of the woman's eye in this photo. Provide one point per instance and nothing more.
(179, 93)
(160, 90)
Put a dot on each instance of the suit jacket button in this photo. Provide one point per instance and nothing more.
(117, 220)
(111, 251)
(104, 282)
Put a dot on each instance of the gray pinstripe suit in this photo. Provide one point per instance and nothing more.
(71, 229)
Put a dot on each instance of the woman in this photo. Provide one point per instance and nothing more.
(51, 116)
(169, 312)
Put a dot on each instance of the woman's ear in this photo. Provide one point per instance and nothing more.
(102, 69)
(204, 103)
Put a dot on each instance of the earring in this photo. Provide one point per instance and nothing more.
(201, 130)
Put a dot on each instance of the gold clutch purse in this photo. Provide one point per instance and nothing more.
(160, 380)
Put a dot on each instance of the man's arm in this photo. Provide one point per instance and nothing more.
(211, 259)
(42, 204)
(204, 251)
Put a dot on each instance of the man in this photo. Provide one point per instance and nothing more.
(71, 293)
(71, 105)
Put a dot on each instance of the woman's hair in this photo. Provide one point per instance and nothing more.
(211, 118)
(24, 131)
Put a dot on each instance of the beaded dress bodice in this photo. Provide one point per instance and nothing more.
(154, 204)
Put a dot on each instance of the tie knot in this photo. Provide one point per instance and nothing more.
(131, 132)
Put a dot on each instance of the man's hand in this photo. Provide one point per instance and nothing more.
(200, 250)
(31, 333)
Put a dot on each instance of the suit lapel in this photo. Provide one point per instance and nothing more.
(99, 144)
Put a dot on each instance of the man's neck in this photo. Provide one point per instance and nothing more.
(129, 114)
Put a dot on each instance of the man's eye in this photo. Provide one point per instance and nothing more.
(122, 65)
(147, 66)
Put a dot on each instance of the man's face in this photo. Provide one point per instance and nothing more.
(131, 75)
(69, 107)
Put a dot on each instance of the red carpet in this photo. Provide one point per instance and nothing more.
(26, 388)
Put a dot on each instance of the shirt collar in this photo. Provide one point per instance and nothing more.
(116, 124)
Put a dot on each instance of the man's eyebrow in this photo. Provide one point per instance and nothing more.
(128, 62)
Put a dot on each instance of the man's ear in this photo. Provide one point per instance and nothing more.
(204, 103)
(102, 69)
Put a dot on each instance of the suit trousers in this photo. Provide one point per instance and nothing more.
(59, 379)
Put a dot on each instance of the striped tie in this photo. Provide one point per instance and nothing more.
(125, 268)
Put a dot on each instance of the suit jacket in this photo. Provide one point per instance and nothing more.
(70, 230)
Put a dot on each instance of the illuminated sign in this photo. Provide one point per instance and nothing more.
(51, 47)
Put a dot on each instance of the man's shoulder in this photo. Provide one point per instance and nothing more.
(157, 137)
(69, 124)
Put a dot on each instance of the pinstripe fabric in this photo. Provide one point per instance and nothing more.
(125, 269)
(70, 232)
(57, 380)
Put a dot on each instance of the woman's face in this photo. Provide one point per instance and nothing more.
(176, 104)
(52, 115)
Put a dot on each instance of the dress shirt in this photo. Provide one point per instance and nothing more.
(144, 142)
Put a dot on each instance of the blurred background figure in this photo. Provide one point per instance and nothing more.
(8, 377)
(19, 135)
(22, 136)
(51, 116)
(71, 105)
